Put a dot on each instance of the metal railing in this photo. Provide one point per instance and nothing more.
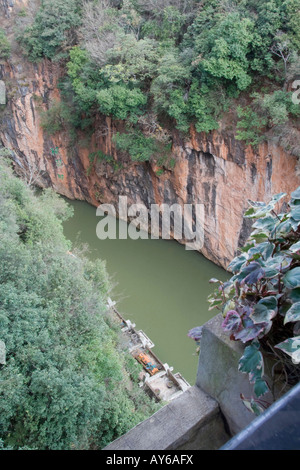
(278, 428)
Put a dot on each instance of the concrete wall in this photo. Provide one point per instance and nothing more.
(206, 415)
(190, 422)
(219, 377)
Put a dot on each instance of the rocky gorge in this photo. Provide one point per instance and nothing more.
(213, 168)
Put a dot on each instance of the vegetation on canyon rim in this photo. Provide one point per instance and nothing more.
(261, 301)
(68, 382)
(172, 63)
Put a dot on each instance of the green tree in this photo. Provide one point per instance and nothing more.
(65, 380)
(267, 111)
(121, 103)
(168, 88)
(132, 60)
(53, 31)
(140, 147)
(223, 50)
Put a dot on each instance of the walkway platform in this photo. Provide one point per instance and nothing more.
(157, 378)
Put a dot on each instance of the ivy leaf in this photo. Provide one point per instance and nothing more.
(261, 209)
(296, 329)
(260, 387)
(257, 204)
(196, 333)
(293, 314)
(215, 303)
(295, 197)
(252, 363)
(283, 228)
(252, 405)
(255, 214)
(258, 237)
(295, 247)
(295, 213)
(237, 263)
(295, 295)
(265, 310)
(294, 224)
(228, 306)
(271, 273)
(250, 332)
(250, 244)
(296, 357)
(266, 223)
(258, 209)
(277, 197)
(252, 273)
(292, 278)
(249, 212)
(291, 346)
(274, 266)
(232, 321)
(252, 358)
(264, 249)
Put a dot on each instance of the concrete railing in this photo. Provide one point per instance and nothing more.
(219, 377)
(205, 416)
(191, 421)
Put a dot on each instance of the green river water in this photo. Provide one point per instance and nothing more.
(160, 286)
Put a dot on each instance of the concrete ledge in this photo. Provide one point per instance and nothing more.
(219, 377)
(190, 422)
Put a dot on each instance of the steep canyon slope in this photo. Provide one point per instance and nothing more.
(213, 169)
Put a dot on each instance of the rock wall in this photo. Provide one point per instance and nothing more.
(212, 169)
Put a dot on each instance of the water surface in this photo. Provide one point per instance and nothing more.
(161, 287)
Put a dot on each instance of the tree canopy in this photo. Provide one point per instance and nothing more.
(186, 62)
(65, 383)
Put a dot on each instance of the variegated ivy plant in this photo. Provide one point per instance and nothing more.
(261, 301)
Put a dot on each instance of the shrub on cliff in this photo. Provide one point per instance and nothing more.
(65, 383)
(139, 147)
(4, 45)
(261, 301)
(54, 29)
(55, 118)
(270, 111)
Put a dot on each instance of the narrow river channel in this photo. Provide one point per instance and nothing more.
(160, 286)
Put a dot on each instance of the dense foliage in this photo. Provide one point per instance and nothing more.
(261, 301)
(176, 61)
(66, 381)
(53, 29)
(4, 45)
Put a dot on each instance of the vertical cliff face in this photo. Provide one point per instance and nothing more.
(211, 169)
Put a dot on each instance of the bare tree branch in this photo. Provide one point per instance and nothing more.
(31, 174)
(281, 48)
(97, 34)
(184, 6)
